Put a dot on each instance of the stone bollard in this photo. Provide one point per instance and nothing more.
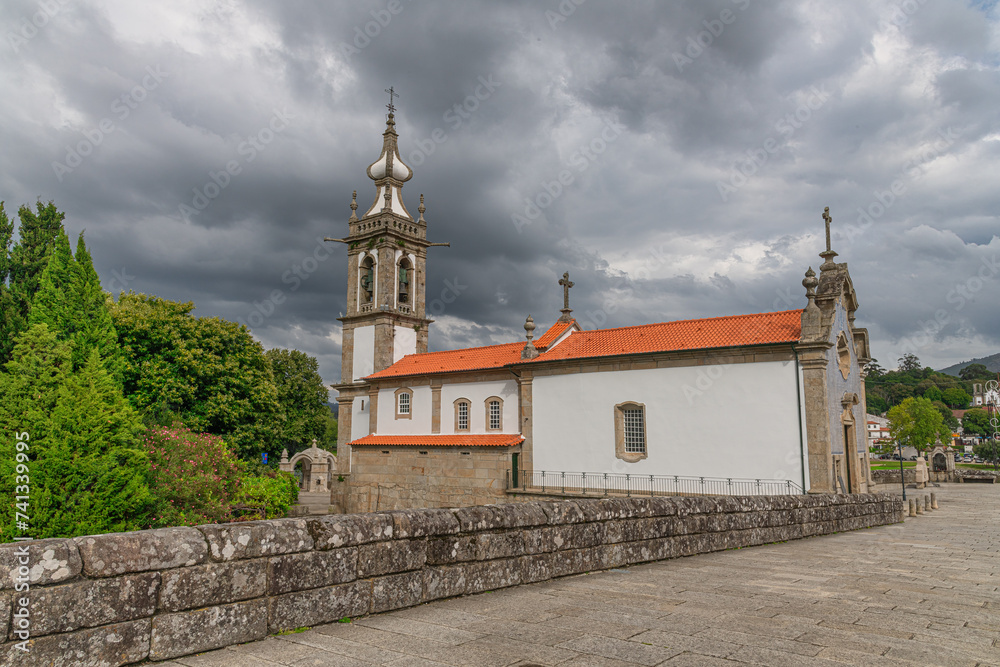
(927, 503)
(913, 507)
(920, 505)
(934, 504)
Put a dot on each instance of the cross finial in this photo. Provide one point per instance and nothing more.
(827, 254)
(392, 93)
(566, 310)
(828, 220)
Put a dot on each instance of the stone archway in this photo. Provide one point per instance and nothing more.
(317, 469)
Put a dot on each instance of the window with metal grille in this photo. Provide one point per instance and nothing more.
(495, 415)
(404, 404)
(635, 431)
(463, 417)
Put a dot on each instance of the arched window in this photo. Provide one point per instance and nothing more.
(404, 403)
(462, 413)
(630, 432)
(367, 279)
(494, 413)
(405, 280)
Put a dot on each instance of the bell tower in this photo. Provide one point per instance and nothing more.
(386, 270)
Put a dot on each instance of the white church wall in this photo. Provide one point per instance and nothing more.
(404, 342)
(420, 413)
(360, 411)
(730, 420)
(477, 393)
(364, 351)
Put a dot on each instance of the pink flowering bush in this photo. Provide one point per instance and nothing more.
(193, 476)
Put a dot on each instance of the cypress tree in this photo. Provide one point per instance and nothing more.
(28, 259)
(70, 301)
(88, 473)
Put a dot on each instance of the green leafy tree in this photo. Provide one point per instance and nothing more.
(206, 371)
(933, 394)
(331, 432)
(876, 405)
(976, 372)
(950, 420)
(988, 450)
(909, 363)
(87, 471)
(874, 370)
(302, 396)
(976, 422)
(917, 423)
(955, 397)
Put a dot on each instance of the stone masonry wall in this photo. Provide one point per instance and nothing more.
(409, 477)
(121, 598)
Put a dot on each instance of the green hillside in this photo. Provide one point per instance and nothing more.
(991, 362)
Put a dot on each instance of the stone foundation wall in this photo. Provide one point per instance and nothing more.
(410, 477)
(121, 598)
(891, 476)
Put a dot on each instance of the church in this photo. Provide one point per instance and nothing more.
(752, 403)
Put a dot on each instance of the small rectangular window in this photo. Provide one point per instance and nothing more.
(635, 431)
(463, 416)
(404, 404)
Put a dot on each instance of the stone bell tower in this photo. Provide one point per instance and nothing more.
(386, 273)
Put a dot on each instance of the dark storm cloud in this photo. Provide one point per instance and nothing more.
(695, 186)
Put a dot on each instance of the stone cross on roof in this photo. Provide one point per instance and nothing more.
(566, 310)
(827, 254)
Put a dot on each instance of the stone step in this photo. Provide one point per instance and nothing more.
(311, 503)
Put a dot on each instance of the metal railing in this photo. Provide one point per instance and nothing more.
(606, 484)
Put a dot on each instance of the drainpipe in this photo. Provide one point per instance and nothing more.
(798, 403)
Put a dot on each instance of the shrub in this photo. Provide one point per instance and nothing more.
(271, 489)
(194, 476)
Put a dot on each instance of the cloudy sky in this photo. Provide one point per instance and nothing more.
(697, 144)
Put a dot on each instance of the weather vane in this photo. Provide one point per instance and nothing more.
(392, 93)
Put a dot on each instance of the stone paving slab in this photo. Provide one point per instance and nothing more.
(926, 592)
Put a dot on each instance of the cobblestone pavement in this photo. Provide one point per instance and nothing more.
(921, 593)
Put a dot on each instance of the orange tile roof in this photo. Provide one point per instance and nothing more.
(460, 440)
(715, 332)
(554, 332)
(452, 361)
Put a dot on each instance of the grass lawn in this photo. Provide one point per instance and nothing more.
(893, 465)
